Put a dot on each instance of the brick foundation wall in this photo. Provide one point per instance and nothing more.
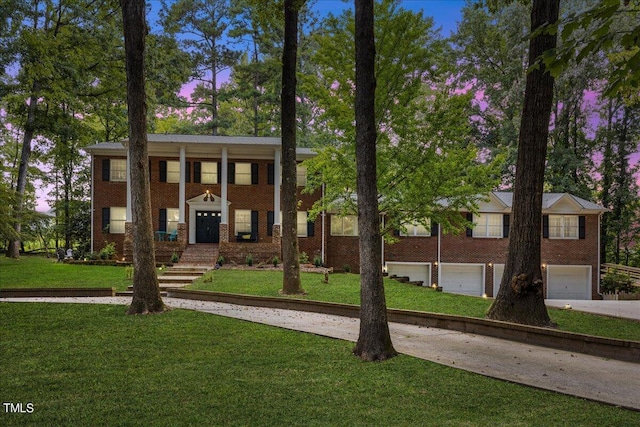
(261, 252)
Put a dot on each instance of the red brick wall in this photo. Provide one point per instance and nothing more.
(106, 194)
(340, 250)
(165, 195)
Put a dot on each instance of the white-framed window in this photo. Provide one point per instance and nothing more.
(173, 171)
(209, 173)
(487, 225)
(563, 226)
(302, 223)
(243, 174)
(117, 218)
(118, 170)
(243, 221)
(344, 225)
(173, 216)
(417, 229)
(301, 175)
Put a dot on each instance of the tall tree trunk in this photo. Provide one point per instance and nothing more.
(521, 295)
(146, 290)
(374, 340)
(23, 171)
(290, 261)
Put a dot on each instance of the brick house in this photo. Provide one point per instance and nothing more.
(472, 262)
(220, 190)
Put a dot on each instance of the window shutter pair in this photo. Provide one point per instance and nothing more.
(582, 226)
(434, 230)
(506, 220)
(311, 225)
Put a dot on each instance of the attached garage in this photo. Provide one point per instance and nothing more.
(465, 279)
(416, 271)
(569, 282)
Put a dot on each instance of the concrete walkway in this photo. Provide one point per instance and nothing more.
(609, 381)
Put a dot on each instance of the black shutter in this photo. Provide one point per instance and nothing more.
(187, 172)
(149, 170)
(270, 174)
(434, 229)
(162, 225)
(254, 224)
(582, 227)
(106, 170)
(505, 225)
(270, 223)
(231, 173)
(197, 170)
(545, 226)
(106, 219)
(219, 170)
(163, 171)
(470, 229)
(254, 174)
(311, 227)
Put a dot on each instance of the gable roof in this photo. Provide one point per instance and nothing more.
(556, 202)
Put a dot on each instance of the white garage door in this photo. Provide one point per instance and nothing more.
(416, 271)
(569, 282)
(498, 271)
(465, 279)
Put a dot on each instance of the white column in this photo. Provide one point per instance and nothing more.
(93, 209)
(224, 176)
(129, 215)
(276, 187)
(181, 188)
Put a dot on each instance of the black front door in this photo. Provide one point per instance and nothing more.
(207, 227)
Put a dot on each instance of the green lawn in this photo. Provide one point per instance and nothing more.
(41, 272)
(344, 288)
(34, 271)
(91, 365)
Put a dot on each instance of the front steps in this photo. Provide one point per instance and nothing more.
(200, 255)
(178, 276)
(195, 261)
